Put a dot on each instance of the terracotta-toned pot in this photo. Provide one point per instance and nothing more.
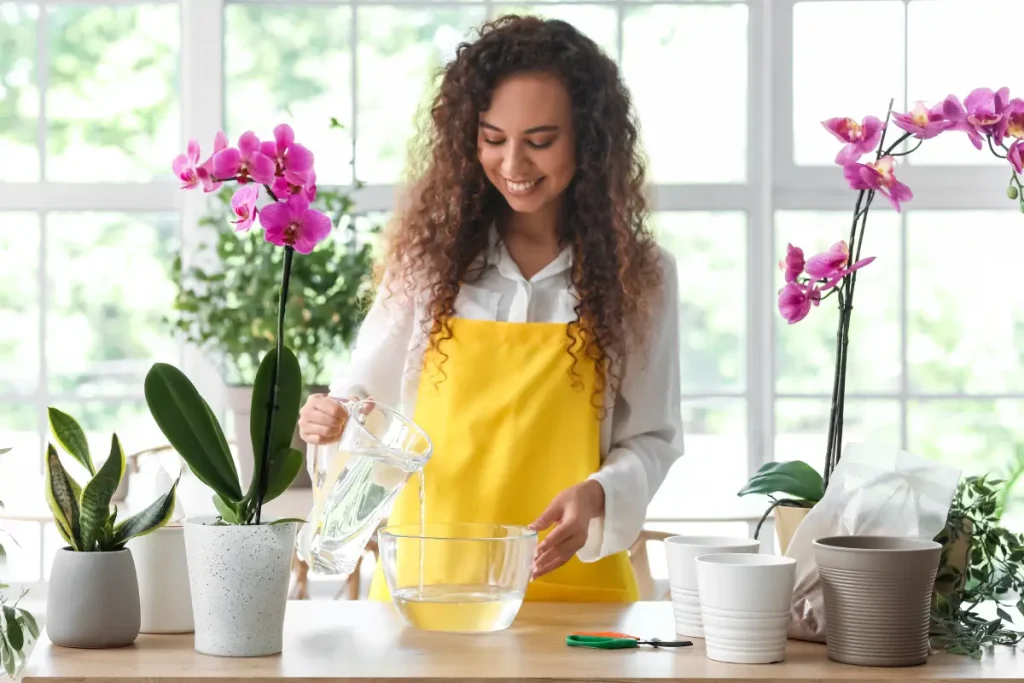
(878, 597)
(787, 519)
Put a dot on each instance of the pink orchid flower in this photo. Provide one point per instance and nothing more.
(986, 113)
(292, 223)
(793, 264)
(184, 166)
(291, 160)
(246, 161)
(796, 299)
(282, 188)
(924, 123)
(1014, 155)
(878, 175)
(831, 265)
(1015, 118)
(860, 138)
(205, 171)
(243, 204)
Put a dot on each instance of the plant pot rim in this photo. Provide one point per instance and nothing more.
(716, 542)
(876, 544)
(207, 521)
(753, 561)
(69, 549)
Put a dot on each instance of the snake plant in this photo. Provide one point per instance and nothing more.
(83, 515)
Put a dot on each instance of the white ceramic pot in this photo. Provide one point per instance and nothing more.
(239, 579)
(164, 594)
(745, 601)
(681, 552)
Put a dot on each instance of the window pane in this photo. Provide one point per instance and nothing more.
(977, 436)
(705, 48)
(714, 465)
(711, 258)
(406, 48)
(109, 290)
(19, 303)
(801, 427)
(934, 71)
(806, 351)
(965, 333)
(19, 431)
(599, 23)
(19, 93)
(830, 56)
(112, 103)
(292, 66)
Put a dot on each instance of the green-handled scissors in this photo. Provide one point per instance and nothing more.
(617, 641)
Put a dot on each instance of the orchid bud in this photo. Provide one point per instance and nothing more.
(1011, 192)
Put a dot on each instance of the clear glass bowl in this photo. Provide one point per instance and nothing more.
(464, 578)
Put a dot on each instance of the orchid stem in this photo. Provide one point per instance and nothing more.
(909, 151)
(261, 489)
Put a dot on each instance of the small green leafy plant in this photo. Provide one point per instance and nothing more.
(787, 484)
(982, 564)
(18, 627)
(83, 515)
(188, 422)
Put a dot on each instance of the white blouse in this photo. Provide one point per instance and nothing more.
(642, 435)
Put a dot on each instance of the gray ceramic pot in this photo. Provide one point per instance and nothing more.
(93, 599)
(878, 597)
(239, 576)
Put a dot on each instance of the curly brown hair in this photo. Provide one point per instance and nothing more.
(436, 238)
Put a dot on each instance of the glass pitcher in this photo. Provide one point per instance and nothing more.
(356, 481)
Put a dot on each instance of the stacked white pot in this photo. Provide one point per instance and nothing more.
(681, 551)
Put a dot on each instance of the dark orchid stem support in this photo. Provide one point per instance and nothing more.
(261, 489)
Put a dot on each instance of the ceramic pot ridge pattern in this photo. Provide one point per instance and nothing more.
(878, 596)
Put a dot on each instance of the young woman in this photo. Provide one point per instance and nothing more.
(526, 318)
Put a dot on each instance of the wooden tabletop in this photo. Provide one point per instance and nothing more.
(366, 642)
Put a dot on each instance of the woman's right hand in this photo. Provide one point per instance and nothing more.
(322, 419)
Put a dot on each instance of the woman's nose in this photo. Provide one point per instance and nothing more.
(514, 161)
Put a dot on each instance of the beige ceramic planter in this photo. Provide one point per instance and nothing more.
(878, 597)
(787, 519)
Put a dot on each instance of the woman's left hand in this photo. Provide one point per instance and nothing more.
(571, 512)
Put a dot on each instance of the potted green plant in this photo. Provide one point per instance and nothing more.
(985, 117)
(223, 296)
(18, 628)
(239, 562)
(982, 566)
(93, 599)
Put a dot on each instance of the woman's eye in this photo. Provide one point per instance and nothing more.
(493, 142)
(541, 145)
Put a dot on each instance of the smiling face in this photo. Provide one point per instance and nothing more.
(526, 142)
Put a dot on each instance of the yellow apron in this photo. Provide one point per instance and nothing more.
(511, 429)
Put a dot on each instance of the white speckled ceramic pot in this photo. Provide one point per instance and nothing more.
(239, 577)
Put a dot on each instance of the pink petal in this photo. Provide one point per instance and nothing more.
(227, 163)
(952, 109)
(838, 127)
(193, 152)
(978, 97)
(220, 141)
(284, 136)
(872, 131)
(315, 227)
(849, 154)
(248, 144)
(245, 197)
(261, 168)
(1014, 156)
(179, 164)
(299, 160)
(275, 219)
